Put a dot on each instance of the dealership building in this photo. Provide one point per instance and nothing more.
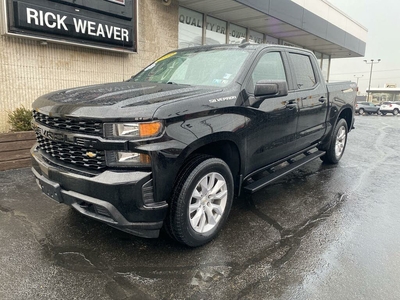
(47, 45)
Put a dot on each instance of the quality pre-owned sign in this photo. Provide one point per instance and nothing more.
(99, 23)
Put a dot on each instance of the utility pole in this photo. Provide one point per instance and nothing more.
(372, 62)
(358, 77)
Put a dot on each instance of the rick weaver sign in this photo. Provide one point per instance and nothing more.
(100, 23)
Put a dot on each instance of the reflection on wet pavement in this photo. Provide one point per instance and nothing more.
(303, 237)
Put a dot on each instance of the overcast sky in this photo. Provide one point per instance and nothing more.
(382, 20)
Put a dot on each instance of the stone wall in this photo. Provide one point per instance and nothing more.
(29, 68)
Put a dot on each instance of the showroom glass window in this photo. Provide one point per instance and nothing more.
(271, 40)
(236, 34)
(319, 58)
(215, 31)
(190, 28)
(325, 66)
(256, 37)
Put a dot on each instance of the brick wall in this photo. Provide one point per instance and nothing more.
(29, 69)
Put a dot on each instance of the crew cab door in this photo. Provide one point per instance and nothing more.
(313, 98)
(272, 124)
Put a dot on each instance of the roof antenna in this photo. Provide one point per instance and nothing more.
(244, 44)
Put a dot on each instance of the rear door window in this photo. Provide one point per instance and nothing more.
(303, 71)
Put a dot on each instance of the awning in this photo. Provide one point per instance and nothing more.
(286, 20)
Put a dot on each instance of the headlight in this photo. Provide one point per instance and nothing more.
(127, 159)
(134, 130)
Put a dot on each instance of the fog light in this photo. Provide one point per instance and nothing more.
(128, 157)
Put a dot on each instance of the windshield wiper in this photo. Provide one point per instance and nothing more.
(171, 82)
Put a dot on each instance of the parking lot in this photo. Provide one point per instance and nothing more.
(322, 232)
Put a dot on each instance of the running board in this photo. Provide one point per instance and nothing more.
(276, 174)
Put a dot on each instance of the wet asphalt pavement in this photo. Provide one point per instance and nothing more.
(322, 232)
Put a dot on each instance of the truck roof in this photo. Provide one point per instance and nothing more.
(246, 45)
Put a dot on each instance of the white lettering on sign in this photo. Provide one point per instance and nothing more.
(50, 23)
(97, 29)
(80, 26)
(60, 21)
(125, 35)
(32, 14)
(117, 33)
(47, 19)
(109, 31)
(52, 20)
(100, 31)
(91, 28)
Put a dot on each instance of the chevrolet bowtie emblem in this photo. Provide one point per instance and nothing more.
(91, 154)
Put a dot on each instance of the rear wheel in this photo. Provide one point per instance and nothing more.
(201, 202)
(361, 111)
(383, 113)
(338, 143)
(395, 112)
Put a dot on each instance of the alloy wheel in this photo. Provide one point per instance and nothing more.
(340, 141)
(208, 202)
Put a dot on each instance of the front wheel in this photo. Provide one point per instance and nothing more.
(361, 111)
(338, 143)
(395, 112)
(201, 202)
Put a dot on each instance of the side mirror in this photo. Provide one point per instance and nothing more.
(270, 88)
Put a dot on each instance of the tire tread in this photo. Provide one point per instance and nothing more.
(187, 168)
(176, 223)
(329, 157)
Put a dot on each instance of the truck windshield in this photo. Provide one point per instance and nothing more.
(214, 67)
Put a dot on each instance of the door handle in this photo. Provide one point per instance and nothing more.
(291, 104)
(322, 99)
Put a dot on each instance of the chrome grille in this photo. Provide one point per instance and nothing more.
(72, 154)
(83, 126)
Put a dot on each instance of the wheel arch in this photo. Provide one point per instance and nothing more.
(345, 113)
(222, 146)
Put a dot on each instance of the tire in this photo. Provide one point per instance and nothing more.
(338, 143)
(201, 201)
(383, 113)
(361, 111)
(395, 112)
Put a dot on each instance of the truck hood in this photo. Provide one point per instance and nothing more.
(116, 100)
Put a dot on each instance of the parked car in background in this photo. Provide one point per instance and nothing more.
(366, 107)
(390, 107)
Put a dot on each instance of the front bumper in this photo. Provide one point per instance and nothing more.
(120, 199)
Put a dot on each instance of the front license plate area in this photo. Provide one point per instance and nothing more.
(50, 189)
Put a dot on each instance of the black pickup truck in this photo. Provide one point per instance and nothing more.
(173, 145)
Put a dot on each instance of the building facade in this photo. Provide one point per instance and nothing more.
(47, 45)
(387, 94)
